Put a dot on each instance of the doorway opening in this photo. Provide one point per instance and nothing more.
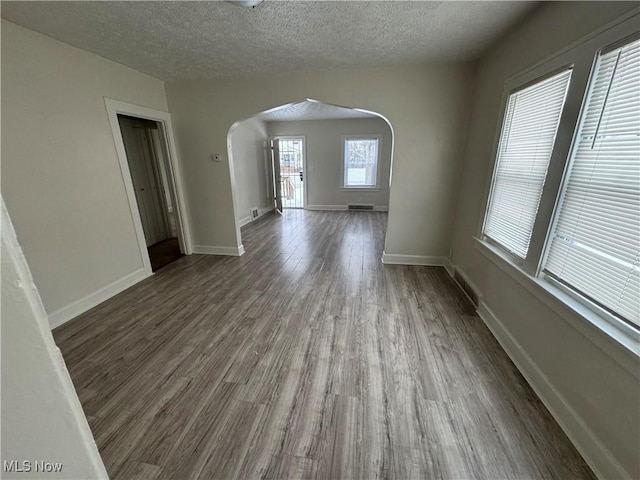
(146, 155)
(291, 158)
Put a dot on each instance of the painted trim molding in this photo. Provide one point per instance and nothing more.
(74, 309)
(448, 265)
(326, 207)
(264, 210)
(214, 250)
(595, 453)
(429, 261)
(115, 107)
(452, 272)
(376, 208)
(244, 221)
(261, 212)
(621, 346)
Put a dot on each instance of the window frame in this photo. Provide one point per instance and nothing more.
(516, 87)
(555, 172)
(343, 165)
(591, 304)
(582, 56)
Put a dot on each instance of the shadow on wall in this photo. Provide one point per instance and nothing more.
(293, 156)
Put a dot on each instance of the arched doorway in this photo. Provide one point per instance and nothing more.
(309, 155)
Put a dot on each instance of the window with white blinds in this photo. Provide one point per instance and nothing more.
(526, 144)
(595, 243)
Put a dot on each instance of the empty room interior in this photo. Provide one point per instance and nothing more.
(308, 239)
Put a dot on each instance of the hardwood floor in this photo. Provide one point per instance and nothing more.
(306, 358)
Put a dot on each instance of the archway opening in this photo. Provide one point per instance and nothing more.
(309, 155)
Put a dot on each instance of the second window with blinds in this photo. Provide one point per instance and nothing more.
(589, 234)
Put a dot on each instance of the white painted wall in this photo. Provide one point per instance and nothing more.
(248, 146)
(594, 396)
(426, 105)
(61, 180)
(324, 158)
(42, 419)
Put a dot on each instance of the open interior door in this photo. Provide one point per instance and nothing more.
(145, 175)
(275, 168)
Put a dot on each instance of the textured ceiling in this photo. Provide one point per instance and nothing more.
(312, 110)
(187, 40)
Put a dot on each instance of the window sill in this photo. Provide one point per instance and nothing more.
(621, 343)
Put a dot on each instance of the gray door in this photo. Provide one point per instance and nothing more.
(143, 165)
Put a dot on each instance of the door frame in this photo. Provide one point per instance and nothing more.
(304, 163)
(276, 174)
(116, 107)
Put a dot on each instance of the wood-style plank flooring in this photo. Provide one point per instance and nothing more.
(306, 358)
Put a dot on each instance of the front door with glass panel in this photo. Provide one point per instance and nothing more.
(292, 174)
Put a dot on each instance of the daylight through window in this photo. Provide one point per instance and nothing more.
(526, 143)
(595, 244)
(361, 163)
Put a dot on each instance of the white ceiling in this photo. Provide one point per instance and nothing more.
(187, 40)
(312, 110)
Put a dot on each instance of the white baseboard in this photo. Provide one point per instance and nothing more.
(451, 268)
(430, 261)
(264, 210)
(376, 208)
(261, 211)
(243, 221)
(213, 250)
(325, 207)
(595, 453)
(71, 311)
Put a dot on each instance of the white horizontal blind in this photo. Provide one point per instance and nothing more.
(595, 245)
(526, 143)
